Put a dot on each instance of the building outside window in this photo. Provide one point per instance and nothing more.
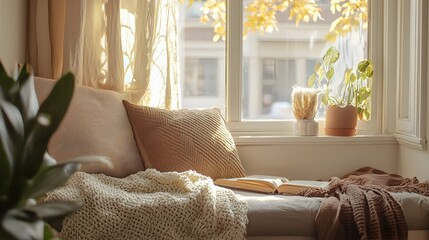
(201, 78)
(272, 63)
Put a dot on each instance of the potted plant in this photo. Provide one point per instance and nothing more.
(304, 105)
(351, 102)
(27, 172)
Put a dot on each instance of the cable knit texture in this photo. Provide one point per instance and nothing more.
(151, 205)
(185, 139)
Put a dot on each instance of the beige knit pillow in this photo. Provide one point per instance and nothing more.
(187, 139)
(96, 123)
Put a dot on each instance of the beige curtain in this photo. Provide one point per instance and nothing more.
(45, 36)
(128, 46)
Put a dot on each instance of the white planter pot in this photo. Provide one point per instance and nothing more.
(306, 128)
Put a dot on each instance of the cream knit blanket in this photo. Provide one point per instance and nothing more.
(151, 205)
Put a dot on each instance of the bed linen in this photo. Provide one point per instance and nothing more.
(365, 203)
(151, 205)
(280, 215)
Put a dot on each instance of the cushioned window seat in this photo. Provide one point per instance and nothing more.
(279, 215)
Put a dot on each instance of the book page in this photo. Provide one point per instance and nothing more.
(273, 181)
(296, 186)
(260, 183)
(309, 183)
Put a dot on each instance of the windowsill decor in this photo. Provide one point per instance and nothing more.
(353, 99)
(304, 102)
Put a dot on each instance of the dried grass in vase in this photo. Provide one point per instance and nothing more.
(304, 103)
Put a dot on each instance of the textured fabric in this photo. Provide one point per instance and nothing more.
(363, 207)
(96, 124)
(125, 46)
(45, 37)
(181, 140)
(362, 212)
(151, 205)
(282, 215)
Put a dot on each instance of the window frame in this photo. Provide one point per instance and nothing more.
(234, 53)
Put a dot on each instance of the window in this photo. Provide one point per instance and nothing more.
(273, 98)
(259, 96)
(201, 78)
(202, 61)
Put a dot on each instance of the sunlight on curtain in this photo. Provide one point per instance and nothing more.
(148, 32)
(128, 46)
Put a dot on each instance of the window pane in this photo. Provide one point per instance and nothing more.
(201, 76)
(275, 62)
(202, 60)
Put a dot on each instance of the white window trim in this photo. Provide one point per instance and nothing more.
(410, 67)
(234, 49)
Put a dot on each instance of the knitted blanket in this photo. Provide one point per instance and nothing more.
(151, 205)
(359, 205)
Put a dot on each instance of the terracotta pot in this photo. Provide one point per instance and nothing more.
(341, 121)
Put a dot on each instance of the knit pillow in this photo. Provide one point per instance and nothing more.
(96, 123)
(187, 139)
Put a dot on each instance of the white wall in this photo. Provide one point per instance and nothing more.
(12, 32)
(413, 162)
(317, 161)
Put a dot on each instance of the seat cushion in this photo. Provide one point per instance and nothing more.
(96, 123)
(186, 139)
(281, 215)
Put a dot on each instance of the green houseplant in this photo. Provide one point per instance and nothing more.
(353, 95)
(27, 172)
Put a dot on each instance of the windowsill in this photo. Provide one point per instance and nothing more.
(243, 140)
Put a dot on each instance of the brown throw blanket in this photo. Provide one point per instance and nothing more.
(359, 206)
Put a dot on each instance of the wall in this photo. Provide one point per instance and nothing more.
(413, 162)
(12, 32)
(317, 160)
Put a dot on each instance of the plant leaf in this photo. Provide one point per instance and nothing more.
(7, 151)
(24, 74)
(49, 233)
(364, 93)
(331, 56)
(13, 120)
(325, 99)
(347, 74)
(311, 80)
(363, 65)
(27, 99)
(54, 209)
(53, 109)
(50, 178)
(7, 84)
(366, 115)
(48, 160)
(23, 224)
(56, 104)
(35, 146)
(317, 67)
(370, 70)
(330, 73)
(353, 78)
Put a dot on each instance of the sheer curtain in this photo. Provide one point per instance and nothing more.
(128, 46)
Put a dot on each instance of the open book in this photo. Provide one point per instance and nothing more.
(270, 184)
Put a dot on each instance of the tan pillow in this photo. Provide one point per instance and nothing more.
(96, 124)
(187, 139)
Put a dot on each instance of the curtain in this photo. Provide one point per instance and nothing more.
(128, 46)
